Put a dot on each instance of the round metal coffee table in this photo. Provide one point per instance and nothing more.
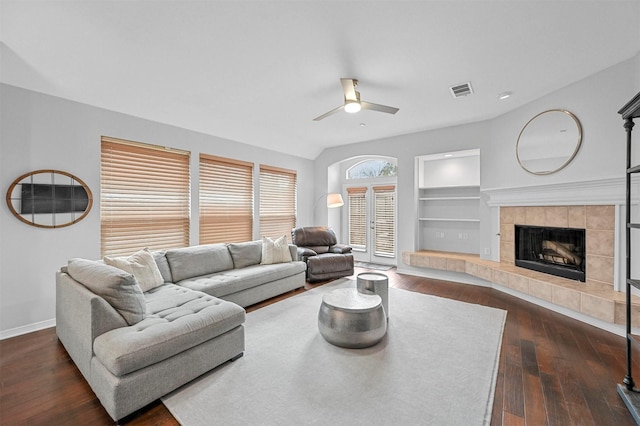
(376, 283)
(351, 319)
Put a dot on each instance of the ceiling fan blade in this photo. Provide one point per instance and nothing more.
(349, 89)
(326, 114)
(378, 107)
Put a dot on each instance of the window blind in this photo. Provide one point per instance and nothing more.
(385, 226)
(144, 197)
(278, 192)
(357, 198)
(226, 200)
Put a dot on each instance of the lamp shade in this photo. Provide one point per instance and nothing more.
(334, 200)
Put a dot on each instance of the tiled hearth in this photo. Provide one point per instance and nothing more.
(595, 298)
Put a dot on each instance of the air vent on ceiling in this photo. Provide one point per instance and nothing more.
(460, 90)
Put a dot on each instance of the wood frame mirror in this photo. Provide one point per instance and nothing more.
(49, 199)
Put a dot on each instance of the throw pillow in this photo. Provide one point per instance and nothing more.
(245, 254)
(141, 265)
(114, 285)
(275, 251)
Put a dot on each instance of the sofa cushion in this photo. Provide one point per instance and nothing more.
(275, 251)
(141, 265)
(194, 261)
(114, 285)
(228, 282)
(177, 319)
(246, 254)
(163, 265)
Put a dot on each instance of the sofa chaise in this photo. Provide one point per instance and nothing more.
(140, 327)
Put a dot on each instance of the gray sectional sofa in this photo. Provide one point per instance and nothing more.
(136, 338)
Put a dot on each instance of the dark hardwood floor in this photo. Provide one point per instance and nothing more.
(553, 370)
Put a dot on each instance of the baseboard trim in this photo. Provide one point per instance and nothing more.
(25, 329)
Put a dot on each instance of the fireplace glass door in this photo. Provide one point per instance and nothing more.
(556, 251)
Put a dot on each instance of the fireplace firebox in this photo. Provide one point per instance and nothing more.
(556, 251)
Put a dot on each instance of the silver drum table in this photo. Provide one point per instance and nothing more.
(351, 319)
(376, 283)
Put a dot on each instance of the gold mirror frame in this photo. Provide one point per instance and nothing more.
(15, 199)
(547, 132)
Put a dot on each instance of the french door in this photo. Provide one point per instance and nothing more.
(371, 211)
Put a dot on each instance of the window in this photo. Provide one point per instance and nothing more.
(385, 222)
(278, 189)
(357, 217)
(226, 200)
(144, 197)
(371, 169)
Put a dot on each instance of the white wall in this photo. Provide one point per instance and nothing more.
(406, 148)
(44, 132)
(594, 100)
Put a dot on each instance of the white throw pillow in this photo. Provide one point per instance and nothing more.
(275, 251)
(141, 265)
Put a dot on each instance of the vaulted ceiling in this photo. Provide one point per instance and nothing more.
(259, 71)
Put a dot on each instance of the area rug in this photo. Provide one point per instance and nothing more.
(370, 265)
(437, 365)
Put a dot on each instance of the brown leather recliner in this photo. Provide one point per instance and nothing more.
(319, 248)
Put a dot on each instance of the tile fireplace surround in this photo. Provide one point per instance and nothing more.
(596, 298)
(598, 221)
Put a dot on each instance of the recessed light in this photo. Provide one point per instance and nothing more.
(504, 95)
(448, 155)
(362, 124)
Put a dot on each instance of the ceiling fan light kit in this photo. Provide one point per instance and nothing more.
(352, 102)
(352, 106)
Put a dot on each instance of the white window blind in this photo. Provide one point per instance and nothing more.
(226, 200)
(144, 197)
(385, 226)
(357, 216)
(278, 192)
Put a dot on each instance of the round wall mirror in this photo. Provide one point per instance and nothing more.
(49, 199)
(549, 141)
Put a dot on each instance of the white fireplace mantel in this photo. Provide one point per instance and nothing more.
(591, 192)
(610, 191)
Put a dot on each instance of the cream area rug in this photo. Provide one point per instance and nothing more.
(437, 365)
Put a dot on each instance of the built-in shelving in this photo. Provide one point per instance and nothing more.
(628, 391)
(448, 202)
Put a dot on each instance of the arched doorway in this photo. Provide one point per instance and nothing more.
(369, 216)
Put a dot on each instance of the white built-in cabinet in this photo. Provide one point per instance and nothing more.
(449, 202)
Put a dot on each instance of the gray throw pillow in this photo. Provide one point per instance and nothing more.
(119, 288)
(246, 254)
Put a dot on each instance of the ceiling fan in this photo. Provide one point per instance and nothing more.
(352, 102)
